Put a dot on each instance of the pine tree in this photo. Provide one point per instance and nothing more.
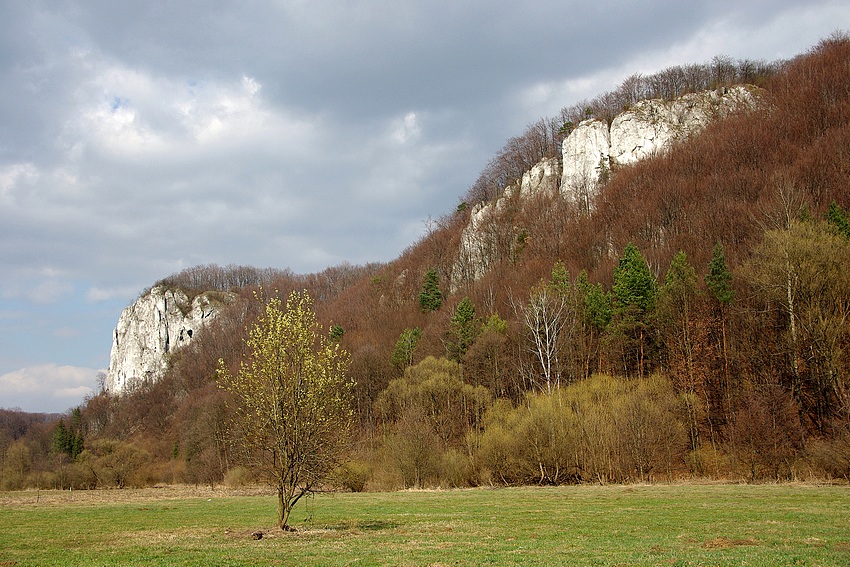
(402, 356)
(463, 330)
(719, 278)
(634, 294)
(431, 298)
(635, 286)
(838, 217)
(719, 283)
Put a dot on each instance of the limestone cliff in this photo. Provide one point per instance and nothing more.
(592, 149)
(647, 128)
(165, 319)
(485, 239)
(158, 323)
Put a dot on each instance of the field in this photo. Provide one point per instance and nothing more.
(584, 525)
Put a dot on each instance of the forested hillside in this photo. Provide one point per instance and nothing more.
(692, 322)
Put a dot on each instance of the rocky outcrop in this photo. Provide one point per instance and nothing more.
(592, 151)
(156, 325)
(584, 153)
(647, 128)
(541, 179)
(485, 239)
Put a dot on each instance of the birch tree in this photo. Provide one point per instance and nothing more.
(547, 318)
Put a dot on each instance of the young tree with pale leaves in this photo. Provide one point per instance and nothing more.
(293, 397)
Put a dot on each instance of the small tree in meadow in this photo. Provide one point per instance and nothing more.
(293, 401)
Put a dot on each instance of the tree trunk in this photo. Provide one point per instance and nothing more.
(283, 509)
(792, 316)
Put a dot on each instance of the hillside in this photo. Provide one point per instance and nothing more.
(694, 305)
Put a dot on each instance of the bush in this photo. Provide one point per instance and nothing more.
(351, 476)
(599, 430)
(766, 433)
(455, 469)
(709, 461)
(386, 475)
(238, 477)
(831, 457)
(116, 463)
(81, 477)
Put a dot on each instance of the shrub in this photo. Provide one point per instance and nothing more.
(455, 469)
(237, 477)
(351, 476)
(599, 430)
(831, 457)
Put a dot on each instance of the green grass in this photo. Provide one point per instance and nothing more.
(584, 525)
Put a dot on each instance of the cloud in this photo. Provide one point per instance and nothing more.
(49, 291)
(16, 174)
(66, 333)
(100, 294)
(42, 291)
(72, 394)
(406, 129)
(131, 116)
(47, 387)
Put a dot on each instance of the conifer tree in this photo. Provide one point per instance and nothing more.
(837, 217)
(634, 294)
(463, 330)
(719, 278)
(431, 298)
(719, 283)
(402, 356)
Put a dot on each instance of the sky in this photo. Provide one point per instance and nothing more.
(138, 139)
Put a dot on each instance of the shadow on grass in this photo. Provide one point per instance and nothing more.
(363, 525)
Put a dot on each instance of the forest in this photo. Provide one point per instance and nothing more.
(694, 323)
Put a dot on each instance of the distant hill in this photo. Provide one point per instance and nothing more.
(698, 290)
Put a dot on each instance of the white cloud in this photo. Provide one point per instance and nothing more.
(99, 294)
(66, 333)
(77, 393)
(406, 129)
(39, 291)
(15, 174)
(49, 291)
(128, 114)
(47, 387)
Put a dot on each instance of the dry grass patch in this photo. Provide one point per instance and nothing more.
(725, 543)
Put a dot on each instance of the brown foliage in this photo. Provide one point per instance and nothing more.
(730, 367)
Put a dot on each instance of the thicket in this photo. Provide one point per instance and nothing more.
(694, 322)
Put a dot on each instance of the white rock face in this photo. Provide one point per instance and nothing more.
(541, 179)
(583, 152)
(158, 323)
(484, 239)
(648, 128)
(477, 246)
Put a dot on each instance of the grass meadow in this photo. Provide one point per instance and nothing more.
(769, 525)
